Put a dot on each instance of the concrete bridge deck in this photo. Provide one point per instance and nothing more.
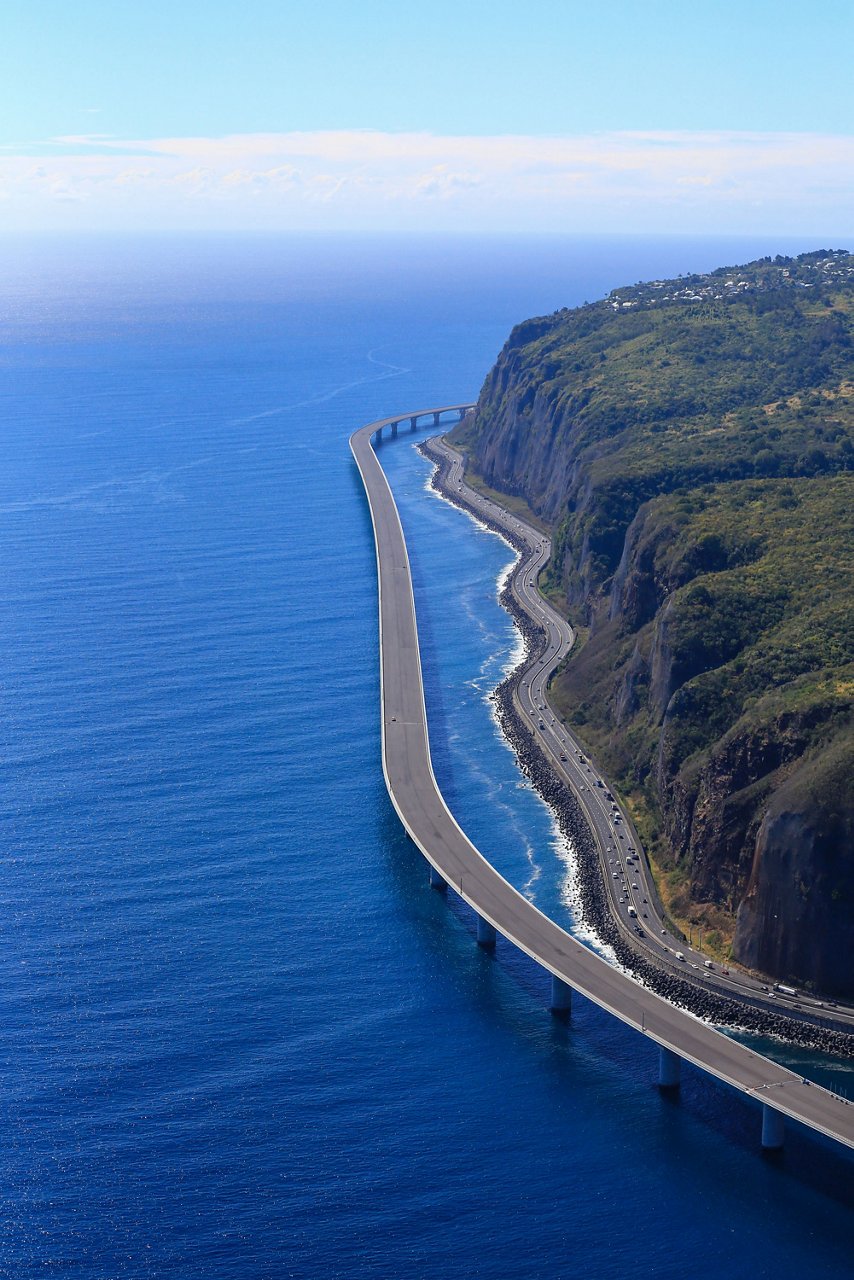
(499, 906)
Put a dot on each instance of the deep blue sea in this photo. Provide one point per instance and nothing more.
(239, 1036)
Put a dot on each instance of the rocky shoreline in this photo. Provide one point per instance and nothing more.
(711, 1006)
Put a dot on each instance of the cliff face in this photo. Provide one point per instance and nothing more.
(695, 469)
(797, 915)
(719, 675)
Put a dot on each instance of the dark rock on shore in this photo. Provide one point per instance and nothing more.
(691, 446)
(593, 904)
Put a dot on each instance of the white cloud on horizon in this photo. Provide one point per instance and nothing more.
(362, 179)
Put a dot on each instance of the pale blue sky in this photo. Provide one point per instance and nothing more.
(451, 69)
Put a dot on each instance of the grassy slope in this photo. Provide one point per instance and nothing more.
(694, 460)
(758, 582)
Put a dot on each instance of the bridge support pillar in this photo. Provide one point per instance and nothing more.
(437, 880)
(436, 417)
(394, 426)
(772, 1128)
(669, 1064)
(462, 413)
(412, 423)
(485, 934)
(561, 998)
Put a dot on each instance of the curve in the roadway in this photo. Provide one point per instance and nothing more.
(425, 816)
(632, 897)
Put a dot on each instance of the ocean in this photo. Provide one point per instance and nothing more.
(239, 1036)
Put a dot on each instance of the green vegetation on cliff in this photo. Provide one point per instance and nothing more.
(692, 445)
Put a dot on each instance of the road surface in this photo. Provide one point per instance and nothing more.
(632, 896)
(425, 816)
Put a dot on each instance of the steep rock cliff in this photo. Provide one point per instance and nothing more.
(797, 915)
(692, 451)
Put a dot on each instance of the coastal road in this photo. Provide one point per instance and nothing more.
(422, 810)
(628, 880)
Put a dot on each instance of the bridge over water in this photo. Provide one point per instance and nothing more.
(499, 907)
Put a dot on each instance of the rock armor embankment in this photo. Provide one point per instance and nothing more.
(590, 890)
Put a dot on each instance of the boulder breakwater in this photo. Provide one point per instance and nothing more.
(592, 903)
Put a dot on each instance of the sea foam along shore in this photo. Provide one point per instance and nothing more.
(569, 815)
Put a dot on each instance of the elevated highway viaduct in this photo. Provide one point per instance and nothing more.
(629, 887)
(498, 906)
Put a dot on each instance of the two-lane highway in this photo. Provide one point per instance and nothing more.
(630, 889)
(416, 797)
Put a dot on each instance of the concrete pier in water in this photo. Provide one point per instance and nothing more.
(561, 996)
(669, 1069)
(773, 1129)
(438, 881)
(486, 934)
(426, 818)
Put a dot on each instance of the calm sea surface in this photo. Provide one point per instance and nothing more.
(239, 1037)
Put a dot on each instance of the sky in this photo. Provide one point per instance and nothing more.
(534, 116)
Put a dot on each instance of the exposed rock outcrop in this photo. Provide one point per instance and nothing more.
(799, 895)
(693, 454)
(811, 1031)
